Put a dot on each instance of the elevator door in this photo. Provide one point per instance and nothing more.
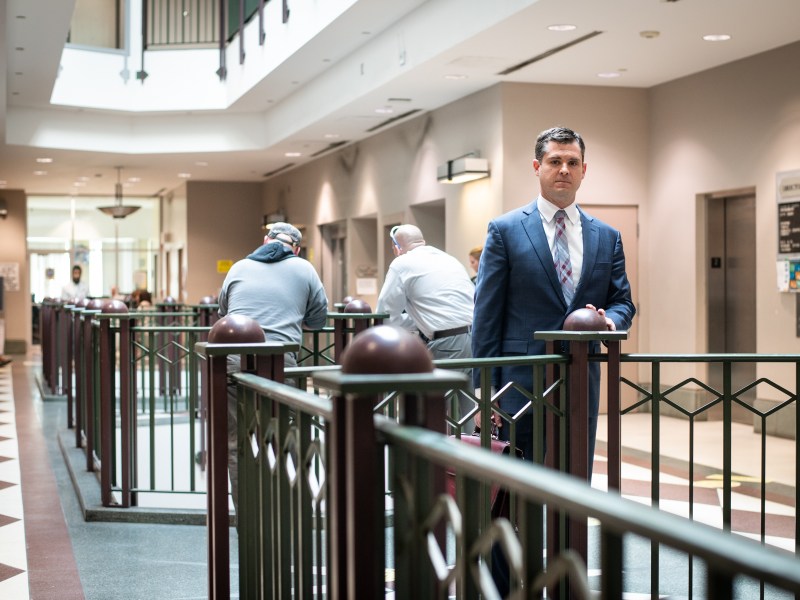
(731, 280)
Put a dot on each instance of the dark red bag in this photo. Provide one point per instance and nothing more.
(498, 497)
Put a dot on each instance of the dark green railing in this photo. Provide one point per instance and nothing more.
(657, 397)
(545, 401)
(290, 448)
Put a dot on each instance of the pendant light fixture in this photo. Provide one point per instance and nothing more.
(118, 211)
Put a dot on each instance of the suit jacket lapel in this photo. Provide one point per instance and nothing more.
(532, 224)
(591, 241)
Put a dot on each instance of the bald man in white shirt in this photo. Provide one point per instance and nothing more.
(429, 292)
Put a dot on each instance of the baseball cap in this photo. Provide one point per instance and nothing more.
(285, 232)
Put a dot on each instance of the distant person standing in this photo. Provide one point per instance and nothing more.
(75, 289)
(475, 261)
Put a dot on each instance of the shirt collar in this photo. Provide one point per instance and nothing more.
(548, 210)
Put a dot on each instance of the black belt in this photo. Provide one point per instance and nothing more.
(437, 335)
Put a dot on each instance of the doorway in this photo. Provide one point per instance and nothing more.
(334, 264)
(731, 285)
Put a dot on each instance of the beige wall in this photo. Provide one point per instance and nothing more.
(731, 127)
(386, 175)
(223, 222)
(13, 250)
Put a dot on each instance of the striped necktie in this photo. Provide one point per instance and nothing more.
(561, 257)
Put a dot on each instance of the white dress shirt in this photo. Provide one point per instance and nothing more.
(433, 289)
(574, 231)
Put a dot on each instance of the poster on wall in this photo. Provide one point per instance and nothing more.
(10, 274)
(787, 186)
(788, 192)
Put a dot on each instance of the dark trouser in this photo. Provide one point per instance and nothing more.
(456, 347)
(234, 366)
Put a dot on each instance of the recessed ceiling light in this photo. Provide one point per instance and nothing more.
(455, 76)
(717, 37)
(201, 163)
(44, 160)
(83, 178)
(650, 34)
(40, 172)
(184, 175)
(134, 179)
(562, 27)
(609, 74)
(293, 154)
(331, 136)
(386, 110)
(79, 184)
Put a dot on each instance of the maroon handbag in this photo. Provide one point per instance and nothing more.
(498, 497)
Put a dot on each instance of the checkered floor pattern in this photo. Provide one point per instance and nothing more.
(13, 558)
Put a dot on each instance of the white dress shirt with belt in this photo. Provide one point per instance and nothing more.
(433, 289)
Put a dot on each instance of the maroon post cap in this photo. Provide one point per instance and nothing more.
(347, 299)
(585, 319)
(208, 300)
(114, 306)
(95, 304)
(81, 303)
(236, 329)
(385, 350)
(168, 300)
(357, 305)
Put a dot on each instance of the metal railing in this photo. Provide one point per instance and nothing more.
(545, 401)
(307, 508)
(170, 23)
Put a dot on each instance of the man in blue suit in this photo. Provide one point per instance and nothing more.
(519, 290)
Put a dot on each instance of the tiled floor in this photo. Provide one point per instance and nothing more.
(15, 561)
(13, 556)
(707, 506)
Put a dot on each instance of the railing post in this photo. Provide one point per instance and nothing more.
(92, 308)
(234, 334)
(362, 319)
(356, 468)
(108, 403)
(614, 416)
(74, 408)
(579, 336)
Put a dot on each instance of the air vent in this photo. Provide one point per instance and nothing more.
(393, 120)
(549, 53)
(329, 147)
(278, 170)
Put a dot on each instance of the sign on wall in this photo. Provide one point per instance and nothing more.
(788, 197)
(10, 274)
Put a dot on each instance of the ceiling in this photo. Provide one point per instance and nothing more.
(447, 48)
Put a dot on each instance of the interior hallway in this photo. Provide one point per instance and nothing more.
(47, 550)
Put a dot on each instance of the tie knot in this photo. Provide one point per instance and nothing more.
(561, 214)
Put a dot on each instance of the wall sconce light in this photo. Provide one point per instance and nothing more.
(461, 169)
(3, 208)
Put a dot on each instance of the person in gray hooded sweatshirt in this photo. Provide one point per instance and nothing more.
(284, 294)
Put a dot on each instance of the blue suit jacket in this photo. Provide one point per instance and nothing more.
(518, 292)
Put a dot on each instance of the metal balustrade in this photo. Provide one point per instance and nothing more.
(654, 397)
(317, 462)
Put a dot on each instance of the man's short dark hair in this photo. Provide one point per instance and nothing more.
(559, 135)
